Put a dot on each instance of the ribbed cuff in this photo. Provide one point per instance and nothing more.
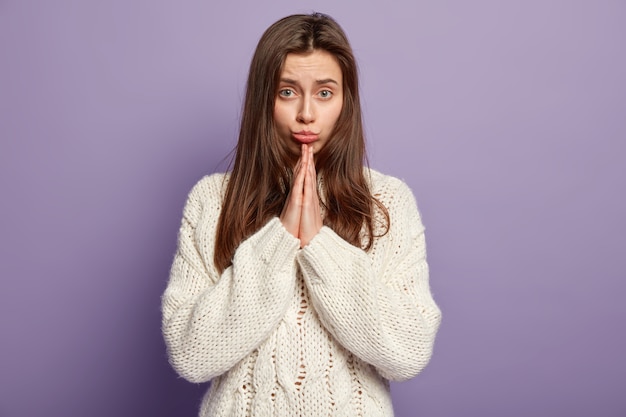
(274, 245)
(328, 255)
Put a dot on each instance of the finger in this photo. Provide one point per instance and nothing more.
(300, 174)
(313, 179)
(312, 170)
(292, 210)
(310, 220)
(299, 164)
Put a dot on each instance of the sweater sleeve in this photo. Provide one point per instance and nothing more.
(378, 305)
(210, 322)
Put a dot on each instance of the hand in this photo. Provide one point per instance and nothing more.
(290, 216)
(301, 215)
(311, 217)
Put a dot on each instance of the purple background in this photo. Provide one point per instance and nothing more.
(506, 118)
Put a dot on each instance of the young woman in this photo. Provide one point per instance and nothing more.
(300, 283)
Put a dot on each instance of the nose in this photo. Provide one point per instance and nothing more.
(306, 111)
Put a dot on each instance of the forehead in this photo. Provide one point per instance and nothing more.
(319, 64)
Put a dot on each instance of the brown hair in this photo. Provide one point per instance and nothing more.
(262, 173)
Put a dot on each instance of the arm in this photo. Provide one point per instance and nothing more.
(211, 322)
(377, 305)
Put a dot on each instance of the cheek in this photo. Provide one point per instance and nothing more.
(335, 114)
(280, 116)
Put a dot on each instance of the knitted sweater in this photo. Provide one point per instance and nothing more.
(285, 331)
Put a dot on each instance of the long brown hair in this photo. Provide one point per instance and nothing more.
(262, 173)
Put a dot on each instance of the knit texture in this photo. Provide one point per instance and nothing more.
(285, 331)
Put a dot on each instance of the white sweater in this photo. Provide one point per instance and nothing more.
(285, 331)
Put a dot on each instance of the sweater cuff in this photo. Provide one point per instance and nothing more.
(274, 245)
(328, 255)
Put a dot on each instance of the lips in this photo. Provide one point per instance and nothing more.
(305, 136)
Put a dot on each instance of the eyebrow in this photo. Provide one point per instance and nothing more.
(318, 82)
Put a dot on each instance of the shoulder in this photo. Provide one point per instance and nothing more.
(210, 184)
(396, 196)
(386, 187)
(207, 193)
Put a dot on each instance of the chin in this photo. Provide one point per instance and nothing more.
(317, 146)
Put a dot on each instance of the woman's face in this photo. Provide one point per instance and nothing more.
(309, 99)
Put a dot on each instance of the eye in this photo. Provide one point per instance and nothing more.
(286, 92)
(326, 94)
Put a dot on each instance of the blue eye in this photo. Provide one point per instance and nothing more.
(286, 92)
(326, 93)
